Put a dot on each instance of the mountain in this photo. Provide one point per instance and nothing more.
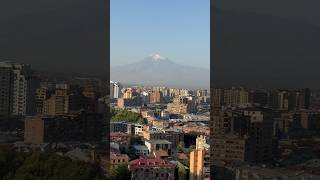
(156, 70)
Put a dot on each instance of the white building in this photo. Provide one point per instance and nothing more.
(21, 73)
(141, 150)
(115, 90)
(138, 130)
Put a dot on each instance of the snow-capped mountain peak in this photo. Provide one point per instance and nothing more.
(157, 57)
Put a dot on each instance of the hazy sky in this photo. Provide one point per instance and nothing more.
(179, 30)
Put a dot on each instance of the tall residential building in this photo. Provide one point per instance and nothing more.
(242, 135)
(229, 96)
(155, 97)
(115, 90)
(228, 148)
(19, 85)
(260, 135)
(196, 164)
(6, 89)
(200, 160)
(41, 96)
(58, 103)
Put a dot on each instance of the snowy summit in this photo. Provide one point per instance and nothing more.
(157, 57)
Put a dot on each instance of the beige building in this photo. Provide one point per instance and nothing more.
(156, 145)
(34, 130)
(155, 97)
(57, 104)
(228, 148)
(182, 105)
(196, 164)
(172, 135)
(200, 160)
(41, 96)
(118, 159)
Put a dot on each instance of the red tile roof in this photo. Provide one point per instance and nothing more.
(160, 153)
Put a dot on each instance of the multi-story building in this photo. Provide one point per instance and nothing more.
(310, 120)
(138, 129)
(228, 148)
(200, 160)
(174, 136)
(120, 126)
(146, 169)
(41, 96)
(155, 97)
(35, 130)
(18, 89)
(260, 135)
(182, 105)
(118, 159)
(123, 139)
(6, 89)
(141, 150)
(115, 90)
(122, 103)
(290, 100)
(196, 164)
(57, 103)
(156, 145)
(79, 126)
(243, 134)
(229, 96)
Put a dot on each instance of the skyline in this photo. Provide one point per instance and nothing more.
(136, 31)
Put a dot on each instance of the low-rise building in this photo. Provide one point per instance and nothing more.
(155, 145)
(141, 150)
(175, 136)
(122, 139)
(118, 159)
(146, 169)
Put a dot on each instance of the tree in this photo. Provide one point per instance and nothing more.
(120, 173)
(124, 115)
(38, 165)
(141, 121)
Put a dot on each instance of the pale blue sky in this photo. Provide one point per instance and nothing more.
(177, 29)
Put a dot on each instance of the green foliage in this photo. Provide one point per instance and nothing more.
(120, 173)
(124, 115)
(185, 162)
(36, 166)
(141, 121)
(180, 147)
(182, 173)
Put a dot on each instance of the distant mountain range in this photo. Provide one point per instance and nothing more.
(156, 70)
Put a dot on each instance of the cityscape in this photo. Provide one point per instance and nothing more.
(156, 132)
(251, 133)
(164, 98)
(52, 119)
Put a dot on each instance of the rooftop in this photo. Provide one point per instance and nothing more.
(150, 163)
(159, 141)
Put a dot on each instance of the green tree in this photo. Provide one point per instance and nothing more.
(120, 173)
(125, 115)
(38, 166)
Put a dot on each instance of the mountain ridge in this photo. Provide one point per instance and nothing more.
(162, 71)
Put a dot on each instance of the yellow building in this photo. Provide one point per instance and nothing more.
(200, 160)
(57, 104)
(196, 164)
